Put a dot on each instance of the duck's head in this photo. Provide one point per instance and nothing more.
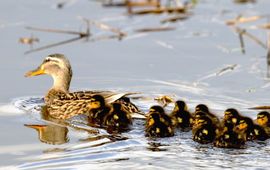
(263, 118)
(201, 108)
(96, 102)
(231, 114)
(180, 106)
(153, 118)
(57, 66)
(157, 109)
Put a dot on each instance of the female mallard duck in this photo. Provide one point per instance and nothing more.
(203, 130)
(181, 116)
(158, 124)
(118, 119)
(61, 103)
(251, 130)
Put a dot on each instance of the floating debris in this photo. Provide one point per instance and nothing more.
(176, 18)
(226, 69)
(164, 100)
(263, 26)
(260, 108)
(250, 36)
(80, 35)
(28, 40)
(241, 19)
(244, 1)
(155, 29)
(159, 10)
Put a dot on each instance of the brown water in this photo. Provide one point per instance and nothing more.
(184, 63)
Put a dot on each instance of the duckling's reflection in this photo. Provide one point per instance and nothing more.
(156, 147)
(54, 133)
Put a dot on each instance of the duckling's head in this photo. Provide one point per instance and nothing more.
(96, 102)
(230, 113)
(180, 106)
(263, 118)
(244, 124)
(153, 118)
(157, 109)
(203, 120)
(116, 106)
(57, 66)
(202, 108)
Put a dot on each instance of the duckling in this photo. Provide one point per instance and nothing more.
(97, 110)
(263, 119)
(180, 116)
(118, 119)
(203, 131)
(205, 109)
(251, 130)
(228, 138)
(164, 117)
(158, 124)
(231, 116)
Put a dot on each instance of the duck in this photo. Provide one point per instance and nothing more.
(205, 109)
(118, 119)
(59, 101)
(250, 130)
(180, 116)
(158, 124)
(203, 130)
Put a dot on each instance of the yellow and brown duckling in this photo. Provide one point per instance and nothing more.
(97, 110)
(203, 130)
(263, 119)
(203, 108)
(231, 116)
(250, 130)
(158, 124)
(118, 119)
(181, 117)
(226, 137)
(60, 102)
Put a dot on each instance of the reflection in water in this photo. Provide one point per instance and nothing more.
(51, 133)
(155, 146)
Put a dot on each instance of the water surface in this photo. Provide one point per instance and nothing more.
(184, 63)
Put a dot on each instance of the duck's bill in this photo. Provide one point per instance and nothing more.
(35, 72)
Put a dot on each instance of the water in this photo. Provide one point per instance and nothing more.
(184, 64)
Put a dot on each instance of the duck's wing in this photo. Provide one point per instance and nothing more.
(68, 105)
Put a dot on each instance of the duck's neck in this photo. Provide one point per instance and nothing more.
(61, 82)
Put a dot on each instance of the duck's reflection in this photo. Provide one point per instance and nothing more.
(54, 132)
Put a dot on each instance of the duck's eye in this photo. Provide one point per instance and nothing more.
(47, 59)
